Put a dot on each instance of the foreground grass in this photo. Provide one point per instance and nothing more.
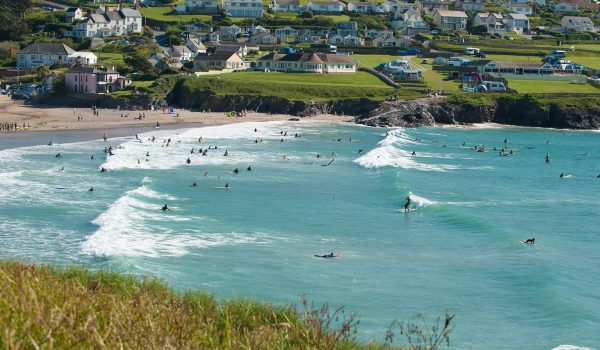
(42, 307)
(541, 87)
(297, 86)
(167, 14)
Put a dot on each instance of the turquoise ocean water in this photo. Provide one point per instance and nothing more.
(457, 249)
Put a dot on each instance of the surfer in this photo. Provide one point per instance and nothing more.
(58, 155)
(406, 208)
(188, 161)
(236, 171)
(92, 157)
(105, 137)
(165, 208)
(318, 155)
(547, 158)
(360, 151)
(562, 175)
(103, 170)
(250, 168)
(414, 153)
(225, 154)
(330, 255)
(91, 189)
(194, 184)
(227, 185)
(529, 241)
(192, 151)
(255, 130)
(61, 169)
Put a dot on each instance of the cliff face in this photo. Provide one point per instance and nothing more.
(504, 111)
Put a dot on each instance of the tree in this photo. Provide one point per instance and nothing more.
(306, 14)
(12, 19)
(138, 62)
(42, 71)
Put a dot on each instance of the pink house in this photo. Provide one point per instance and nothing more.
(89, 80)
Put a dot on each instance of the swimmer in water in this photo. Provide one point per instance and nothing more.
(249, 168)
(91, 189)
(547, 158)
(188, 161)
(225, 154)
(165, 208)
(227, 185)
(194, 184)
(236, 171)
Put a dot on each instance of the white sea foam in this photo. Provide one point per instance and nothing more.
(389, 153)
(571, 347)
(134, 227)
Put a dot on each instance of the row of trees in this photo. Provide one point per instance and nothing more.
(12, 19)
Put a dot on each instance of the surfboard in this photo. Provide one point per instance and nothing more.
(327, 257)
(525, 242)
(60, 188)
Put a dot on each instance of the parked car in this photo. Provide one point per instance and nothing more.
(497, 35)
(480, 55)
(425, 61)
(508, 37)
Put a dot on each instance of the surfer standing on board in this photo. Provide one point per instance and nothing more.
(406, 208)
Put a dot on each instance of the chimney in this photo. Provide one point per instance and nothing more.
(106, 8)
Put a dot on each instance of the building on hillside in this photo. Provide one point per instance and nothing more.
(83, 58)
(242, 49)
(89, 80)
(518, 67)
(517, 22)
(195, 45)
(347, 28)
(49, 54)
(395, 6)
(390, 41)
(566, 7)
(73, 14)
(108, 23)
(519, 1)
(286, 31)
(181, 53)
(470, 5)
(361, 7)
(494, 22)
(430, 6)
(450, 20)
(518, 8)
(243, 8)
(349, 40)
(307, 63)
(264, 39)
(219, 60)
(577, 24)
(309, 37)
(201, 6)
(409, 23)
(326, 6)
(286, 6)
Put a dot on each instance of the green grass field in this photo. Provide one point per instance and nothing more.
(434, 79)
(372, 61)
(297, 86)
(109, 59)
(166, 14)
(541, 87)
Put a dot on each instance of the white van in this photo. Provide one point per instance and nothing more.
(559, 53)
(471, 51)
(332, 49)
(494, 86)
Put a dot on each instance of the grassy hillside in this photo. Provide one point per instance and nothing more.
(297, 86)
(42, 307)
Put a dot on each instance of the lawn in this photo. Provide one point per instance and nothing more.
(166, 14)
(372, 61)
(108, 59)
(434, 79)
(295, 86)
(549, 87)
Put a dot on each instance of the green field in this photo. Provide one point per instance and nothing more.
(108, 59)
(296, 86)
(434, 79)
(167, 14)
(372, 61)
(545, 87)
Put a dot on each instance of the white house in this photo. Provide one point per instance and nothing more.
(243, 8)
(470, 5)
(450, 20)
(360, 6)
(494, 22)
(72, 14)
(390, 41)
(285, 6)
(195, 45)
(307, 63)
(286, 31)
(517, 22)
(202, 6)
(326, 6)
(108, 23)
(578, 24)
(518, 8)
(84, 58)
(396, 6)
(264, 39)
(38, 54)
(565, 7)
(346, 28)
(409, 23)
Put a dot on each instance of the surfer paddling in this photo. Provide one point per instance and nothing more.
(529, 240)
(165, 208)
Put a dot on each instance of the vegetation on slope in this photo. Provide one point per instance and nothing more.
(43, 307)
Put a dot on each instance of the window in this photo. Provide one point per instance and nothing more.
(76, 78)
(86, 78)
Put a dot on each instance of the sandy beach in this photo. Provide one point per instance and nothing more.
(47, 118)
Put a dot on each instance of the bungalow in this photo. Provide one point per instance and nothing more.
(264, 39)
(450, 20)
(470, 5)
(195, 45)
(197, 27)
(241, 49)
(566, 7)
(430, 6)
(308, 37)
(286, 31)
(91, 80)
(268, 61)
(202, 6)
(326, 6)
(49, 54)
(394, 6)
(83, 58)
(409, 23)
(182, 53)
(362, 7)
(243, 8)
(578, 24)
(494, 22)
(308, 63)
(73, 14)
(516, 22)
(285, 6)
(350, 40)
(390, 41)
(518, 67)
(219, 60)
(374, 33)
(518, 8)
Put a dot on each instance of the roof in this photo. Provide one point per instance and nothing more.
(328, 2)
(450, 13)
(518, 16)
(92, 70)
(130, 13)
(48, 48)
(287, 2)
(197, 43)
(217, 56)
(98, 18)
(271, 56)
(72, 9)
(512, 64)
(577, 19)
(316, 58)
(361, 3)
(517, 6)
(83, 54)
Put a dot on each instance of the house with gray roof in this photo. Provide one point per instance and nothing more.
(38, 54)
(108, 22)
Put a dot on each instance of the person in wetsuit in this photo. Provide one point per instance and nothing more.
(406, 208)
